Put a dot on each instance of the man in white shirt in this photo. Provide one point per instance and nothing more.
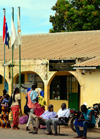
(61, 118)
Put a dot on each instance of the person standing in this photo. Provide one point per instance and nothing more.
(28, 88)
(2, 97)
(40, 92)
(4, 116)
(88, 121)
(15, 107)
(32, 95)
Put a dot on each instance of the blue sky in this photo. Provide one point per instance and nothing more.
(34, 15)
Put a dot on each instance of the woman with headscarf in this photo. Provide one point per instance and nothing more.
(2, 97)
(4, 116)
(15, 107)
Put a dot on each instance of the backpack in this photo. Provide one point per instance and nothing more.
(26, 108)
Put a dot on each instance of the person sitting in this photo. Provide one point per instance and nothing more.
(61, 118)
(49, 114)
(99, 117)
(88, 121)
(99, 122)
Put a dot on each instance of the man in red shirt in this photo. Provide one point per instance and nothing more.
(31, 105)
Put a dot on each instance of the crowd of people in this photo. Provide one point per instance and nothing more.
(35, 109)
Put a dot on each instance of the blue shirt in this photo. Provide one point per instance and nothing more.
(48, 115)
(42, 93)
(86, 116)
(33, 96)
(28, 89)
(5, 100)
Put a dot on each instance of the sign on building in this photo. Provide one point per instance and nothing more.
(61, 65)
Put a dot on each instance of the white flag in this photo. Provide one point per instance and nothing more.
(19, 30)
(14, 38)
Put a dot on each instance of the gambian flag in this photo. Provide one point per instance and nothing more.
(5, 32)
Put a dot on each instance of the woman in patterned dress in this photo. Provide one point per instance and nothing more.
(15, 107)
(4, 116)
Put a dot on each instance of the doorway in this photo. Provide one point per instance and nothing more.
(66, 87)
(73, 92)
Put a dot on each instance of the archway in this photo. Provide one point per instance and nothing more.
(64, 87)
(27, 79)
(2, 85)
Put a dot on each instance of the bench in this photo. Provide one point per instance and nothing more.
(43, 126)
(60, 125)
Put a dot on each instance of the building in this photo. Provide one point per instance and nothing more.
(65, 65)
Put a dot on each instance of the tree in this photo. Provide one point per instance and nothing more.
(76, 15)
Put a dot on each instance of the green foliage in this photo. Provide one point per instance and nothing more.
(75, 15)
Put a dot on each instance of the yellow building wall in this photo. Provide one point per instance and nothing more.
(23, 101)
(57, 104)
(90, 87)
(2, 87)
(89, 83)
(89, 90)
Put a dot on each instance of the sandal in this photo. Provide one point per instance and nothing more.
(33, 132)
(78, 137)
(50, 133)
(17, 127)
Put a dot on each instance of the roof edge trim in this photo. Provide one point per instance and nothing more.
(84, 67)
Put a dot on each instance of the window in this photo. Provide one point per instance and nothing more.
(62, 87)
(32, 77)
(0, 79)
(22, 79)
(39, 82)
(58, 88)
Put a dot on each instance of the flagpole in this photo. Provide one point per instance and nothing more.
(19, 58)
(19, 31)
(12, 48)
(4, 51)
